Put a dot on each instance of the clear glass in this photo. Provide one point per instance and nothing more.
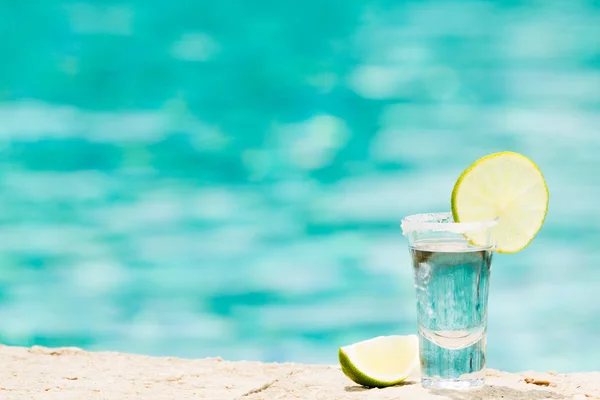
(452, 265)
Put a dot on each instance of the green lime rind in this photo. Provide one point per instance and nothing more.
(466, 172)
(357, 376)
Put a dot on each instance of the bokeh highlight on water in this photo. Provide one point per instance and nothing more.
(227, 178)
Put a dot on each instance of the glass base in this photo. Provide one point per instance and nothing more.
(462, 384)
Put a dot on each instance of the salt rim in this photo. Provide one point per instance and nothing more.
(442, 221)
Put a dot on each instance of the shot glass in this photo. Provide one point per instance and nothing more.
(452, 263)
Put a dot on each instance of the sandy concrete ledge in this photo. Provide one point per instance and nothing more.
(70, 373)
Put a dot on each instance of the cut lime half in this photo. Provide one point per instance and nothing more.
(381, 361)
(507, 186)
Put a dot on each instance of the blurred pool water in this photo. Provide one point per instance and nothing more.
(202, 179)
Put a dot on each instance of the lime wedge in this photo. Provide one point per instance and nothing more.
(381, 361)
(507, 186)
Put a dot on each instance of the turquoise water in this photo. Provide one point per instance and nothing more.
(227, 178)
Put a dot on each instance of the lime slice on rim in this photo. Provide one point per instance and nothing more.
(381, 361)
(507, 186)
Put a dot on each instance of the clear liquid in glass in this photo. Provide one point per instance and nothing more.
(451, 282)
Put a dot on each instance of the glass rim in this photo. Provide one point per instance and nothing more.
(435, 222)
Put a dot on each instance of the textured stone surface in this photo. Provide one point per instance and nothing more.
(71, 373)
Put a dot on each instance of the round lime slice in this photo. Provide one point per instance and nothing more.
(381, 361)
(507, 186)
